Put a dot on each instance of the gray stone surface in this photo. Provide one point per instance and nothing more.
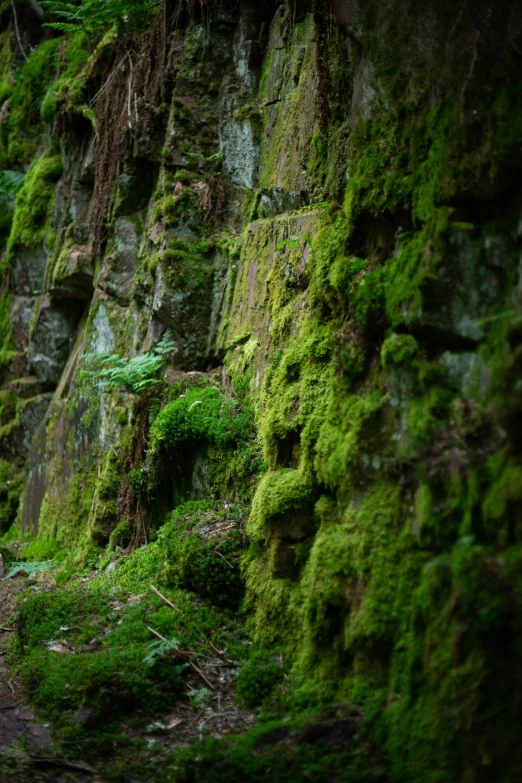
(31, 414)
(119, 264)
(52, 337)
(239, 148)
(28, 268)
(22, 312)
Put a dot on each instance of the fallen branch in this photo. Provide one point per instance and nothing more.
(224, 558)
(7, 629)
(198, 716)
(169, 603)
(156, 634)
(201, 675)
(62, 763)
(221, 715)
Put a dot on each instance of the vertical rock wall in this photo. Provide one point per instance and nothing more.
(323, 205)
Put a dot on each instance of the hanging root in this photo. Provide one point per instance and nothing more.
(136, 78)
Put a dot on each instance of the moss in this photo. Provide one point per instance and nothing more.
(25, 90)
(57, 682)
(462, 610)
(67, 509)
(201, 558)
(278, 494)
(40, 548)
(35, 202)
(282, 749)
(7, 352)
(201, 414)
(258, 677)
(398, 349)
(67, 92)
(187, 263)
(120, 536)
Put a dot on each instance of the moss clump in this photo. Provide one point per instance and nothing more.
(307, 748)
(201, 415)
(202, 545)
(278, 495)
(120, 536)
(105, 670)
(452, 672)
(35, 202)
(258, 677)
(67, 92)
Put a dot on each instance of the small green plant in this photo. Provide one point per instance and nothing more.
(136, 374)
(30, 569)
(199, 697)
(291, 242)
(209, 159)
(159, 649)
(10, 184)
(92, 16)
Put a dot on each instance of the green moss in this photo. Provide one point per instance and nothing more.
(201, 558)
(398, 349)
(35, 202)
(199, 415)
(120, 536)
(6, 343)
(258, 677)
(187, 263)
(25, 90)
(67, 92)
(455, 677)
(40, 549)
(281, 749)
(60, 684)
(278, 494)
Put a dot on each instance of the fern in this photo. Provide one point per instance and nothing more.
(92, 16)
(30, 569)
(290, 243)
(10, 184)
(160, 648)
(137, 374)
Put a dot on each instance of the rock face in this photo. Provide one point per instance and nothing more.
(321, 204)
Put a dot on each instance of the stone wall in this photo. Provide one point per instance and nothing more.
(323, 206)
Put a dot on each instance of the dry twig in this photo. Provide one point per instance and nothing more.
(187, 656)
(173, 606)
(62, 763)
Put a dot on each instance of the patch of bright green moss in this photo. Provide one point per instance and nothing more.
(199, 415)
(35, 202)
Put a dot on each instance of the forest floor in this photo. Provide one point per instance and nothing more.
(27, 749)
(213, 740)
(25, 742)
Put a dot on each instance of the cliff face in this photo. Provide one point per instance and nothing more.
(322, 206)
